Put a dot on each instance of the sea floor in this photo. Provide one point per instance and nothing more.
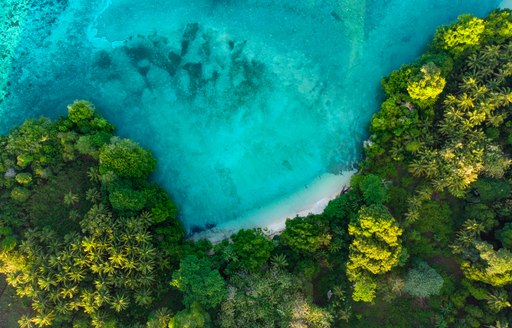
(244, 103)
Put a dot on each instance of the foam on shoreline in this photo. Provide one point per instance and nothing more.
(311, 200)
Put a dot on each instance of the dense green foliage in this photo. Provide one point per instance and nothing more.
(64, 244)
(422, 239)
(274, 298)
(199, 282)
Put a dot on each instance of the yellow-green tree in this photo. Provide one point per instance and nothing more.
(493, 267)
(456, 38)
(375, 249)
(428, 84)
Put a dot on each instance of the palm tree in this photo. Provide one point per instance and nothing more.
(491, 53)
(93, 174)
(68, 291)
(25, 322)
(71, 198)
(498, 300)
(44, 319)
(89, 244)
(143, 297)
(279, 261)
(468, 84)
(465, 102)
(119, 302)
(61, 308)
(475, 62)
(45, 283)
(117, 258)
(101, 296)
(146, 280)
(93, 195)
(499, 324)
(473, 228)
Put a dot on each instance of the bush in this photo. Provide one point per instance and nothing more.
(373, 189)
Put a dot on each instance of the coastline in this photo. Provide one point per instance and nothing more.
(272, 218)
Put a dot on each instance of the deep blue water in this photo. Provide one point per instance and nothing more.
(242, 102)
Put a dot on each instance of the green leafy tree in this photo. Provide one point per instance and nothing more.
(248, 250)
(498, 27)
(19, 194)
(127, 199)
(199, 282)
(192, 317)
(505, 235)
(491, 267)
(396, 82)
(306, 234)
(126, 159)
(373, 189)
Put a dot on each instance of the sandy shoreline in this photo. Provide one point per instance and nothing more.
(311, 200)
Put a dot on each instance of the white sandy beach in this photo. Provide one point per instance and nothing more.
(310, 200)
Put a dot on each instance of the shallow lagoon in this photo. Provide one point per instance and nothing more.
(243, 102)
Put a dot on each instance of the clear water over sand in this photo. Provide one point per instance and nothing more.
(243, 102)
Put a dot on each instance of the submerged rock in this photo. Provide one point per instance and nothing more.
(184, 47)
(143, 67)
(173, 63)
(191, 32)
(194, 70)
(103, 59)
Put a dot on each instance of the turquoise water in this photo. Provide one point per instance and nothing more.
(242, 102)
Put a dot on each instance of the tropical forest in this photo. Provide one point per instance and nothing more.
(421, 236)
